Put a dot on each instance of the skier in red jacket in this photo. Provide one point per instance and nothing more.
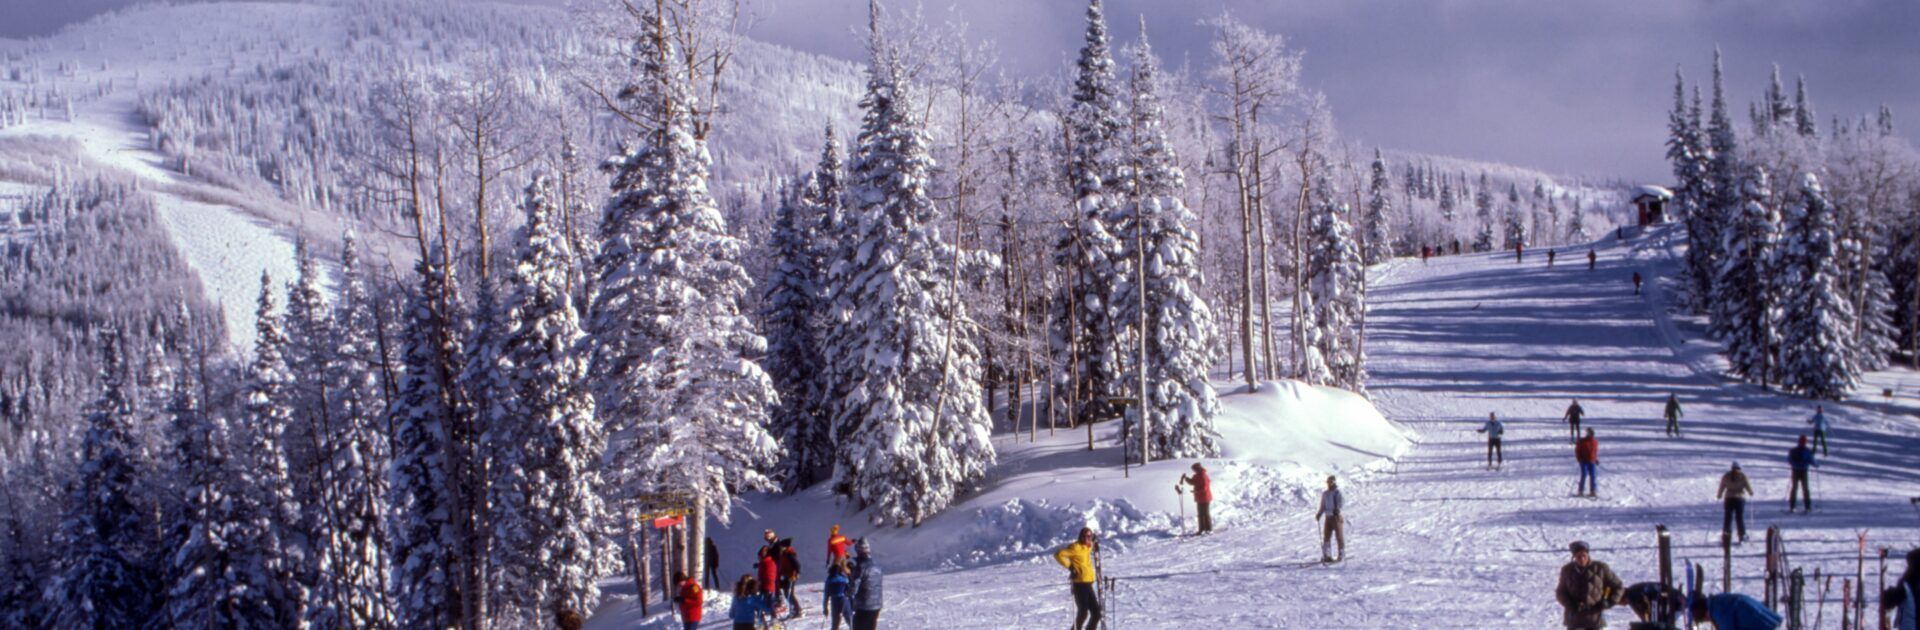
(1202, 495)
(690, 600)
(1587, 452)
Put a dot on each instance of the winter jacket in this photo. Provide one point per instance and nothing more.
(1733, 485)
(1574, 412)
(1673, 410)
(1585, 593)
(865, 584)
(691, 601)
(835, 588)
(1733, 611)
(837, 547)
(1330, 503)
(1493, 429)
(1587, 451)
(787, 558)
(1819, 422)
(1078, 559)
(748, 609)
(769, 574)
(1801, 458)
(1202, 488)
(1907, 615)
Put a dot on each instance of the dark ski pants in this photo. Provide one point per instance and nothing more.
(1589, 478)
(1799, 484)
(742, 626)
(1820, 442)
(866, 620)
(713, 576)
(1205, 508)
(1495, 453)
(1736, 512)
(1673, 427)
(1086, 605)
(1573, 431)
(839, 608)
(786, 591)
(1333, 529)
(690, 625)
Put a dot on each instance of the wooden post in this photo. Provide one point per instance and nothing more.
(640, 573)
(666, 566)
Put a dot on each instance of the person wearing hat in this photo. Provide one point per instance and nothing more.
(1587, 589)
(1899, 600)
(1334, 528)
(864, 581)
(836, 545)
(1801, 459)
(1735, 489)
(1202, 495)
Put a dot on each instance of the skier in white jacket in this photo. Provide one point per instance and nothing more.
(1331, 526)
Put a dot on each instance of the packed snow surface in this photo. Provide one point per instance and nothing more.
(1435, 538)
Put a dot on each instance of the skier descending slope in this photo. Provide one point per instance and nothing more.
(1801, 460)
(1820, 426)
(1587, 453)
(1332, 526)
(1587, 589)
(1077, 558)
(1673, 415)
(1735, 490)
(1591, 259)
(1574, 413)
(1496, 457)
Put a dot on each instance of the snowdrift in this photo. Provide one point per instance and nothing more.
(1277, 444)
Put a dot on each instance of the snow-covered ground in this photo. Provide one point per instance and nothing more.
(1436, 538)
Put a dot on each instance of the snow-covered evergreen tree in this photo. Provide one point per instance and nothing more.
(211, 581)
(675, 357)
(106, 535)
(1817, 322)
(914, 430)
(1515, 234)
(271, 521)
(1577, 224)
(1719, 197)
(1483, 212)
(546, 444)
(1803, 117)
(1447, 208)
(795, 360)
(1746, 296)
(1379, 244)
(428, 565)
(351, 551)
(1179, 325)
(1686, 151)
(1336, 278)
(1084, 326)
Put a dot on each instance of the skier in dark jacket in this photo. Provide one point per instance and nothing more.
(1574, 414)
(864, 587)
(1673, 415)
(712, 562)
(788, 561)
(1519, 253)
(1801, 459)
(1636, 283)
(1652, 602)
(1733, 611)
(1902, 600)
(1591, 259)
(1587, 589)
(1496, 456)
(1202, 496)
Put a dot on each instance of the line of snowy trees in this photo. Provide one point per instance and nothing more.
(1801, 247)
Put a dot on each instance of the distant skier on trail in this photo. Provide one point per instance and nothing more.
(1636, 283)
(1496, 456)
(712, 562)
(1734, 611)
(1426, 251)
(1332, 526)
(1587, 589)
(1591, 258)
(1587, 452)
(1077, 558)
(864, 587)
(1735, 489)
(1202, 495)
(1574, 414)
(1519, 254)
(1820, 426)
(1801, 460)
(1550, 255)
(1673, 415)
(1900, 599)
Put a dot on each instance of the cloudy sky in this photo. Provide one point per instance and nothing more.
(1570, 86)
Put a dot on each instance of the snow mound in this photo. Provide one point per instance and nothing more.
(1022, 527)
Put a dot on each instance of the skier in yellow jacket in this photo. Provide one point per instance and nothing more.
(1078, 560)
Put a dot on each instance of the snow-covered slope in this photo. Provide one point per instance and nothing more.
(1437, 540)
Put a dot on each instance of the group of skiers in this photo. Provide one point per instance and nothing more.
(1588, 588)
(1520, 255)
(851, 592)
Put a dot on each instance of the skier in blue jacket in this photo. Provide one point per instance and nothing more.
(837, 601)
(1820, 426)
(1733, 611)
(749, 604)
(1494, 430)
(1801, 459)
